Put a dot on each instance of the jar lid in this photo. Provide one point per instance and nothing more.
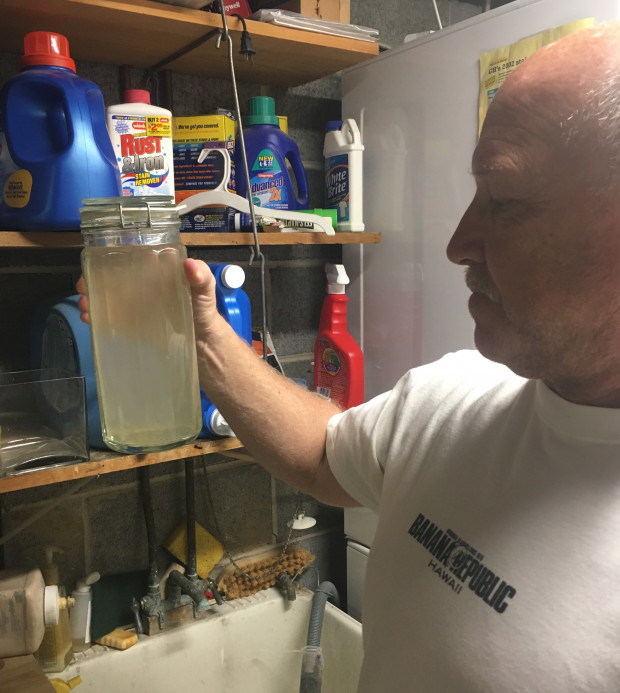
(128, 212)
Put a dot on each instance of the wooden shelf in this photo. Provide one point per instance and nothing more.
(102, 462)
(73, 239)
(142, 33)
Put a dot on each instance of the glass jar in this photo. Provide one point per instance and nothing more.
(141, 323)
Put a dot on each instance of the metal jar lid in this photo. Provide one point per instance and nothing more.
(128, 212)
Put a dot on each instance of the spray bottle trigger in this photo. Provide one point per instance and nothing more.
(337, 278)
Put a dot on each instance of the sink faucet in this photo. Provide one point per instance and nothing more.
(286, 586)
(182, 591)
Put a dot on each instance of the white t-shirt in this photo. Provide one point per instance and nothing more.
(496, 563)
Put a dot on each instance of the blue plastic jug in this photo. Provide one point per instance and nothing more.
(268, 149)
(234, 305)
(54, 145)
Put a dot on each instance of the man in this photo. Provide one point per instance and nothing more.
(496, 563)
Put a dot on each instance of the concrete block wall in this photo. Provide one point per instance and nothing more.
(99, 523)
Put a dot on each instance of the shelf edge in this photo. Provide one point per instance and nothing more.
(102, 462)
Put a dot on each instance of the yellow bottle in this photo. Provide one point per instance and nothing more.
(55, 652)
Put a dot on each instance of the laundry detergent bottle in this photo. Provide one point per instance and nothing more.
(338, 359)
(268, 150)
(54, 145)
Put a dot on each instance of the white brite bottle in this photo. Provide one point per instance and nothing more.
(343, 152)
(141, 135)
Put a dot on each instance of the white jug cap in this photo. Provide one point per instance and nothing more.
(233, 276)
(219, 425)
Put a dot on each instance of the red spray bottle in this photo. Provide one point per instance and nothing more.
(338, 360)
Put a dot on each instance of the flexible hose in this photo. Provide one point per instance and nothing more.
(312, 660)
(324, 591)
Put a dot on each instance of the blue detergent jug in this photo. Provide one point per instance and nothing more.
(268, 149)
(234, 305)
(54, 145)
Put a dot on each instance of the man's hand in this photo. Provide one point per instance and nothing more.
(202, 284)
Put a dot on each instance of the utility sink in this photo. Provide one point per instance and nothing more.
(249, 644)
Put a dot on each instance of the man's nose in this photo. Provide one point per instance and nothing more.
(466, 247)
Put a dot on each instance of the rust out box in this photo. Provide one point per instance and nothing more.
(204, 148)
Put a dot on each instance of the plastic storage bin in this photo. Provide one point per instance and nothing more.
(42, 420)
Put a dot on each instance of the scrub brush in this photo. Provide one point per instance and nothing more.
(259, 572)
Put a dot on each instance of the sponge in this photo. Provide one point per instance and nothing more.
(209, 551)
(119, 639)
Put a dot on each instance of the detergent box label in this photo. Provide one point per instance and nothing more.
(143, 150)
(337, 185)
(204, 153)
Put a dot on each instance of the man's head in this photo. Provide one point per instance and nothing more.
(541, 238)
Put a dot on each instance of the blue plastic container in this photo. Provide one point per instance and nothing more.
(268, 149)
(234, 305)
(54, 145)
(60, 340)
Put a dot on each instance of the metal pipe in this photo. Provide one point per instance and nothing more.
(145, 486)
(190, 503)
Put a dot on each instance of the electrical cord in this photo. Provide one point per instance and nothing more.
(33, 518)
(256, 251)
(247, 48)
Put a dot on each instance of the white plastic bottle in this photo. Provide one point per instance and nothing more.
(141, 135)
(81, 612)
(343, 152)
(27, 607)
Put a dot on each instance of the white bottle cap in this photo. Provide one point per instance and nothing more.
(219, 425)
(233, 276)
(51, 609)
(84, 584)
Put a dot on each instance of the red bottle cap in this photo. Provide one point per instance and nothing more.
(136, 96)
(46, 48)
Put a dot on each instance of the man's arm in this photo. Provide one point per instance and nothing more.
(280, 423)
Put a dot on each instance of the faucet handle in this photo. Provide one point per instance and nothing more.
(135, 607)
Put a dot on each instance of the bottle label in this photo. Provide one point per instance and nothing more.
(15, 182)
(143, 150)
(333, 377)
(268, 182)
(337, 185)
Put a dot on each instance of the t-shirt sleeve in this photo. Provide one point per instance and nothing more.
(364, 441)
(353, 451)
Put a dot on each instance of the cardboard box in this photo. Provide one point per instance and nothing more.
(329, 10)
(198, 144)
(241, 7)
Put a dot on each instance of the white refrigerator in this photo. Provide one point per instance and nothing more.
(417, 109)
